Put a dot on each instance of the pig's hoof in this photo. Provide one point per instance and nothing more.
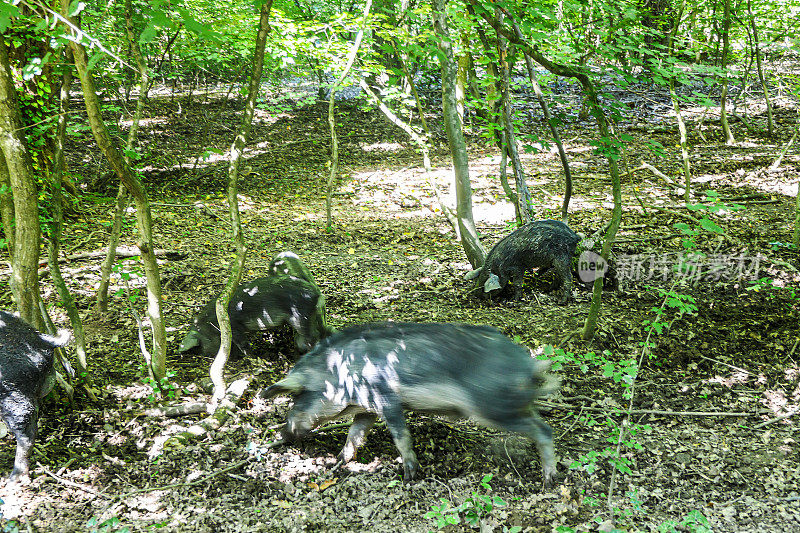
(410, 470)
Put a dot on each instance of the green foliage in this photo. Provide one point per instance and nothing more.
(111, 525)
(475, 508)
(681, 304)
(622, 439)
(160, 390)
(711, 204)
(590, 461)
(714, 204)
(774, 291)
(127, 272)
(694, 522)
(623, 372)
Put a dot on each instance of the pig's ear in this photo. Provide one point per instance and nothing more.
(191, 340)
(472, 274)
(492, 283)
(63, 338)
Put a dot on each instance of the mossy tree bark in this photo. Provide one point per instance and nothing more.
(455, 137)
(24, 279)
(237, 148)
(144, 221)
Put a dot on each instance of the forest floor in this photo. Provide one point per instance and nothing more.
(702, 448)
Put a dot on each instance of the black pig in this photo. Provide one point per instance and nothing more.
(26, 376)
(289, 264)
(541, 243)
(258, 305)
(382, 369)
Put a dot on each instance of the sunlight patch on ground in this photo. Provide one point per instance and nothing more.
(147, 123)
(211, 157)
(735, 378)
(151, 503)
(407, 192)
(372, 466)
(382, 147)
(777, 401)
(793, 374)
(781, 401)
(315, 215)
(265, 117)
(24, 500)
(289, 467)
(136, 391)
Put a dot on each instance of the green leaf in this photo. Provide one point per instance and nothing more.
(148, 34)
(76, 7)
(7, 12)
(93, 60)
(708, 225)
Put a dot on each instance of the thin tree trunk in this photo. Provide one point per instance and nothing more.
(684, 142)
(351, 57)
(492, 93)
(723, 98)
(551, 123)
(6, 206)
(796, 235)
(24, 280)
(55, 235)
(237, 148)
(612, 155)
(113, 240)
(761, 74)
(462, 62)
(509, 192)
(122, 196)
(455, 137)
(523, 196)
(413, 87)
(495, 111)
(421, 141)
(156, 361)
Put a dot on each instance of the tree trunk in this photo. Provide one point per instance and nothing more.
(524, 209)
(59, 166)
(611, 152)
(237, 148)
(761, 75)
(796, 234)
(492, 108)
(726, 46)
(351, 57)
(455, 137)
(24, 280)
(122, 196)
(111, 250)
(509, 192)
(412, 87)
(144, 220)
(462, 75)
(422, 142)
(687, 174)
(551, 123)
(6, 206)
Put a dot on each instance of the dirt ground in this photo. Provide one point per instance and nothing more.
(704, 448)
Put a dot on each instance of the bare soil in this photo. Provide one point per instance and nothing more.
(706, 444)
